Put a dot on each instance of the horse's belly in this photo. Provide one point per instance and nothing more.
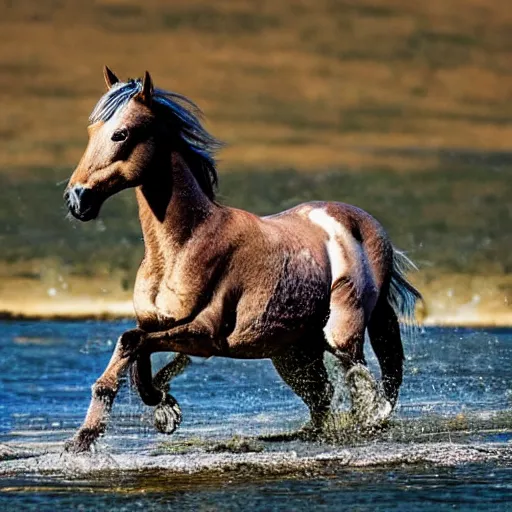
(301, 297)
(293, 311)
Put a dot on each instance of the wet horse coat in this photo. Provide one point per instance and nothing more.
(218, 281)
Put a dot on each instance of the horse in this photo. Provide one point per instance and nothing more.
(220, 281)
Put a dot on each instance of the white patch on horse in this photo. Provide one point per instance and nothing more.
(337, 234)
(110, 126)
(339, 238)
(142, 298)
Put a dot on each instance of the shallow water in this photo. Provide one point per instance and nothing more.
(448, 446)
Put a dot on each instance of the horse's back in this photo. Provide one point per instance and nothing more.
(345, 225)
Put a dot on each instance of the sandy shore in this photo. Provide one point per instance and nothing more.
(75, 309)
(84, 308)
(449, 300)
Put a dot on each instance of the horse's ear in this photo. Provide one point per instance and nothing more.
(146, 94)
(110, 77)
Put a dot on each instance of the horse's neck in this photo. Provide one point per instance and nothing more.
(170, 208)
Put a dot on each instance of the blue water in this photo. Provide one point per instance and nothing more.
(47, 368)
(425, 489)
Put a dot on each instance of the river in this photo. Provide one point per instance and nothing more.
(448, 446)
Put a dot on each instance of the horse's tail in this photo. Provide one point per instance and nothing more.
(402, 295)
(396, 304)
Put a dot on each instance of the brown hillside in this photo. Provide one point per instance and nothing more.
(306, 84)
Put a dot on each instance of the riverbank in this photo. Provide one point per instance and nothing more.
(450, 300)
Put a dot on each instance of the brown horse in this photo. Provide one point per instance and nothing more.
(217, 281)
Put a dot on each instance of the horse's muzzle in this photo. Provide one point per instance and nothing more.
(83, 203)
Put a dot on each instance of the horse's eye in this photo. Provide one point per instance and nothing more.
(120, 135)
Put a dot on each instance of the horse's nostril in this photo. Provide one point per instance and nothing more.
(79, 191)
(76, 195)
(82, 202)
(73, 197)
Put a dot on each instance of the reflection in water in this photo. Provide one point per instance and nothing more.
(470, 488)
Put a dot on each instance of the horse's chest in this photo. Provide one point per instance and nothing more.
(164, 299)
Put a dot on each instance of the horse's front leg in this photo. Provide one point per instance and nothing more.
(104, 391)
(155, 391)
(196, 338)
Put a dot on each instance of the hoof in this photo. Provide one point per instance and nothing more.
(167, 415)
(82, 441)
(369, 406)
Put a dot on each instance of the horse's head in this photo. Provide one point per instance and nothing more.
(133, 128)
(121, 146)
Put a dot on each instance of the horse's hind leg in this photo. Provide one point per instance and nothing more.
(384, 332)
(302, 368)
(155, 391)
(344, 333)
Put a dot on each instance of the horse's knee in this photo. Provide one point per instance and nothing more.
(130, 341)
(347, 347)
(304, 371)
(104, 390)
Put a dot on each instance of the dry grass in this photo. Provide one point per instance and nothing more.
(294, 83)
